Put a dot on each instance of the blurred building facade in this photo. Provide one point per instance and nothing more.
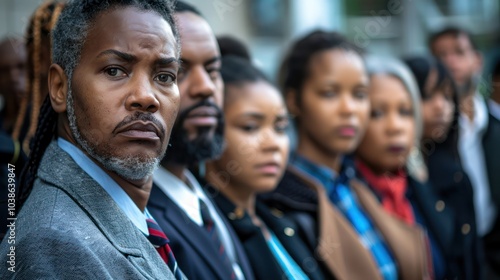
(384, 27)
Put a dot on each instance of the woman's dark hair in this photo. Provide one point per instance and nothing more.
(421, 67)
(295, 67)
(237, 71)
(183, 7)
(229, 45)
(453, 31)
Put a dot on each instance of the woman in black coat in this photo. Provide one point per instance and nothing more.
(440, 114)
(253, 162)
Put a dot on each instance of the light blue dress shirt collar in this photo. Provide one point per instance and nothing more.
(121, 198)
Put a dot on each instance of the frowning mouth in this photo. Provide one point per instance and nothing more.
(141, 131)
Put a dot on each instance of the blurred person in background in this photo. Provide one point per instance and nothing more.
(12, 87)
(326, 90)
(253, 162)
(39, 47)
(383, 162)
(13, 61)
(479, 135)
(439, 145)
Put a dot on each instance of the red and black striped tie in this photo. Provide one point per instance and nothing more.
(160, 241)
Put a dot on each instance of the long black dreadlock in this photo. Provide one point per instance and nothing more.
(37, 35)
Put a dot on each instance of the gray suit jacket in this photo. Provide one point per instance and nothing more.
(70, 228)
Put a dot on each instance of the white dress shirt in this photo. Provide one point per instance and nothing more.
(186, 195)
(470, 146)
(494, 108)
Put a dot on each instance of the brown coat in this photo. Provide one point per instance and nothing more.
(339, 246)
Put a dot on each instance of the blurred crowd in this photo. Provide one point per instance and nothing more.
(138, 145)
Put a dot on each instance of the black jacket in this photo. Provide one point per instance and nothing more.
(491, 146)
(261, 258)
(451, 185)
(454, 234)
(192, 247)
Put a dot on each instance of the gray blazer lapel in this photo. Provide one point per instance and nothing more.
(59, 169)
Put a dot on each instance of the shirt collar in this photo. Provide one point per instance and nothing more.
(121, 198)
(480, 121)
(319, 172)
(323, 173)
(184, 195)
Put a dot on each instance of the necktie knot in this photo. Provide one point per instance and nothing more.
(160, 241)
(208, 221)
(156, 236)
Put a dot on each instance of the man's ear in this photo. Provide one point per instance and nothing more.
(58, 88)
(291, 103)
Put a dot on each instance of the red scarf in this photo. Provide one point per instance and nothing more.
(392, 189)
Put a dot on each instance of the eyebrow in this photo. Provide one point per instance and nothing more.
(366, 84)
(164, 61)
(338, 83)
(206, 63)
(132, 58)
(260, 116)
(254, 115)
(124, 56)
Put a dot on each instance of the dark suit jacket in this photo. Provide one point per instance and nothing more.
(491, 146)
(451, 185)
(264, 264)
(440, 221)
(193, 249)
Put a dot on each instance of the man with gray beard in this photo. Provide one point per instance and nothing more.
(103, 129)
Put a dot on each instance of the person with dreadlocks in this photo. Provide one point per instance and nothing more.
(113, 99)
(23, 92)
(38, 45)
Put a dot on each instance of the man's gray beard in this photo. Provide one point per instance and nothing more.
(130, 167)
